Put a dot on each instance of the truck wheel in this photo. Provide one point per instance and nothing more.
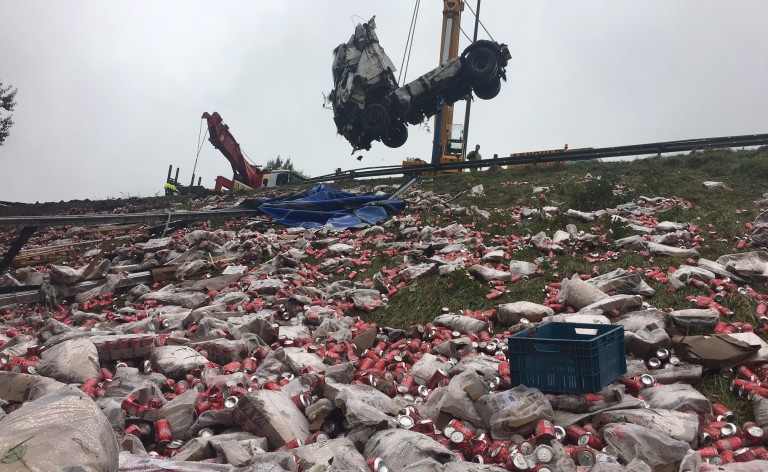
(488, 90)
(375, 118)
(481, 63)
(396, 136)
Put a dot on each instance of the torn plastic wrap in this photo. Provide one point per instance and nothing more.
(132, 463)
(637, 442)
(398, 448)
(461, 323)
(272, 415)
(176, 361)
(508, 314)
(64, 430)
(515, 411)
(73, 361)
(675, 424)
(180, 413)
(337, 454)
(579, 294)
(363, 405)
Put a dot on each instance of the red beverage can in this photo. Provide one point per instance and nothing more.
(148, 414)
(726, 457)
(89, 385)
(134, 430)
(501, 454)
(407, 384)
(302, 400)
(106, 374)
(376, 464)
(729, 444)
(236, 390)
(438, 379)
(721, 410)
(249, 365)
(744, 372)
(759, 451)
(592, 441)
(592, 398)
(424, 426)
(155, 402)
(181, 387)
(366, 364)
(163, 432)
(744, 455)
(574, 432)
(753, 434)
(289, 445)
(202, 406)
(545, 432)
(130, 406)
(707, 452)
(583, 456)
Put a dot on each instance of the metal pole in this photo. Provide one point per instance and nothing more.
(469, 97)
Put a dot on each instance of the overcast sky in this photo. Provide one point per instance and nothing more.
(111, 93)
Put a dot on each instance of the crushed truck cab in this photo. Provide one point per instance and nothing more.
(369, 105)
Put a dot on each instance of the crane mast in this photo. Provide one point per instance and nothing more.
(449, 49)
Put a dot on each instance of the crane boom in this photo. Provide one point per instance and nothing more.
(222, 139)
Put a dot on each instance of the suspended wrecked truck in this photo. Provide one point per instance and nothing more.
(369, 105)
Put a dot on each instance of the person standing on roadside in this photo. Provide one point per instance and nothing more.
(474, 155)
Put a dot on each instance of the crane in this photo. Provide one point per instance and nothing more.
(244, 173)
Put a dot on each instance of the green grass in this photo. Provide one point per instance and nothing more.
(720, 216)
(421, 301)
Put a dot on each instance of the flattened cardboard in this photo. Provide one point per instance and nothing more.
(719, 351)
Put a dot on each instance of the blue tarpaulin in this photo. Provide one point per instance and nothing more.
(327, 206)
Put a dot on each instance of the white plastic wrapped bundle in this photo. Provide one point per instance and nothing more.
(63, 430)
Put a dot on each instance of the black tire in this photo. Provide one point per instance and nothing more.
(375, 118)
(488, 90)
(481, 64)
(396, 136)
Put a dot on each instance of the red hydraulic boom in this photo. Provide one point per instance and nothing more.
(244, 173)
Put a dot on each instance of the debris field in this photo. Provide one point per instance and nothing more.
(245, 345)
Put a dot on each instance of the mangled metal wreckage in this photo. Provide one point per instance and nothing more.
(369, 105)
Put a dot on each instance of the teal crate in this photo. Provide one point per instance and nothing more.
(567, 357)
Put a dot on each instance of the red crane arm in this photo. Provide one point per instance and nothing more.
(222, 139)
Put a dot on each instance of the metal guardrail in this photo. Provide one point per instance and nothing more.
(558, 156)
(92, 220)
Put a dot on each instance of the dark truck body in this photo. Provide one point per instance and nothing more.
(369, 105)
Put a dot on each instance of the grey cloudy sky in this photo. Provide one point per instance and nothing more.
(111, 93)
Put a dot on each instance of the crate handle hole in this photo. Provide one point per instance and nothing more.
(547, 347)
(586, 331)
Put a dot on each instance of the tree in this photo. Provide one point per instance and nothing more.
(278, 163)
(6, 103)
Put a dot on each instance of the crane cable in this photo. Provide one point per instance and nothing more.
(199, 146)
(409, 44)
(478, 20)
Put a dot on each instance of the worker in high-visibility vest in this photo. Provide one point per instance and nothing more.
(170, 189)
